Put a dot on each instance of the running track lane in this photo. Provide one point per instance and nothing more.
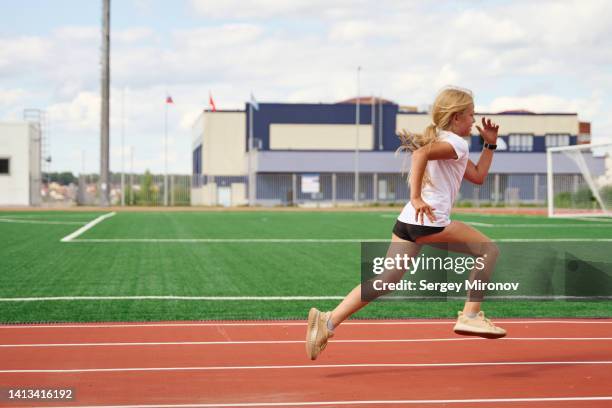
(312, 382)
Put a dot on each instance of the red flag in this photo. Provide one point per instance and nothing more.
(211, 102)
(169, 99)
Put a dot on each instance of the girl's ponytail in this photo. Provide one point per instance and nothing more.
(413, 141)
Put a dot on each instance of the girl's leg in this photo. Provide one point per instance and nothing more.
(353, 301)
(465, 239)
(319, 330)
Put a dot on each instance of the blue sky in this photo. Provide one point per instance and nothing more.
(553, 57)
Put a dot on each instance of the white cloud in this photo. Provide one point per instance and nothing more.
(11, 96)
(552, 57)
(20, 53)
(78, 34)
(585, 107)
(258, 9)
(131, 35)
(82, 113)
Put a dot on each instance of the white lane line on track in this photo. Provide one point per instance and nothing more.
(91, 224)
(208, 343)
(301, 240)
(287, 323)
(291, 367)
(355, 402)
(279, 298)
(168, 297)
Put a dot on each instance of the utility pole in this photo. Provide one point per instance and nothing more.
(104, 118)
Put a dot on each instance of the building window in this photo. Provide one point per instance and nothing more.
(197, 179)
(197, 160)
(555, 140)
(5, 167)
(520, 143)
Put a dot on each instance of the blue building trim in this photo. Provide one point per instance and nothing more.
(332, 114)
(344, 114)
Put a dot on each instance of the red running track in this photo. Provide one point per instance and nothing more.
(542, 363)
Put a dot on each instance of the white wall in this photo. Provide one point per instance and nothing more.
(224, 144)
(319, 137)
(15, 145)
(535, 124)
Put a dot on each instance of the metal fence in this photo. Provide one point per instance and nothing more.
(139, 189)
(284, 189)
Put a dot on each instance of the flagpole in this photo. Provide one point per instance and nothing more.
(356, 195)
(131, 175)
(380, 122)
(123, 147)
(373, 112)
(166, 155)
(250, 150)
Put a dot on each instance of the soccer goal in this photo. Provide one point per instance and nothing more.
(579, 180)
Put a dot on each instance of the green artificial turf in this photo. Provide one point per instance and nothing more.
(34, 263)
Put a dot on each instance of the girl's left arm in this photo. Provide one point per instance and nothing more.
(477, 173)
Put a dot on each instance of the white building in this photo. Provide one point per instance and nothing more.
(19, 163)
(296, 144)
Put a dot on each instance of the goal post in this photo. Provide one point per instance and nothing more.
(579, 180)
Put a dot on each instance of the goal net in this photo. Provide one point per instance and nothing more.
(579, 180)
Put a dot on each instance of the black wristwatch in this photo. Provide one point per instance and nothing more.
(489, 146)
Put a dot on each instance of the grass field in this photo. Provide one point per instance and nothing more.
(245, 256)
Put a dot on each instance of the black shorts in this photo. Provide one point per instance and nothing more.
(410, 232)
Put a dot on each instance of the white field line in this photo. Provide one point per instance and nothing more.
(46, 216)
(235, 240)
(279, 323)
(170, 297)
(479, 224)
(290, 367)
(541, 225)
(259, 342)
(302, 240)
(484, 224)
(20, 221)
(355, 402)
(281, 298)
(602, 219)
(87, 226)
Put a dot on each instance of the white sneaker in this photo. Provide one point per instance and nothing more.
(478, 326)
(317, 333)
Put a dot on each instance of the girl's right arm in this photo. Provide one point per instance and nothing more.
(420, 157)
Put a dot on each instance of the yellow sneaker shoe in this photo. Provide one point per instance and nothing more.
(478, 326)
(317, 333)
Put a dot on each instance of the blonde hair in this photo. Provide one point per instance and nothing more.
(450, 100)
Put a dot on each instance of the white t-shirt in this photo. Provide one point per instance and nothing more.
(445, 176)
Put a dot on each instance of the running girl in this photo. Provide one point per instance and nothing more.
(440, 160)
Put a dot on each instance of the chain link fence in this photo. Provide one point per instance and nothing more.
(285, 189)
(288, 189)
(138, 190)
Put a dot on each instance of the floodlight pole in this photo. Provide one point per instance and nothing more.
(104, 118)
